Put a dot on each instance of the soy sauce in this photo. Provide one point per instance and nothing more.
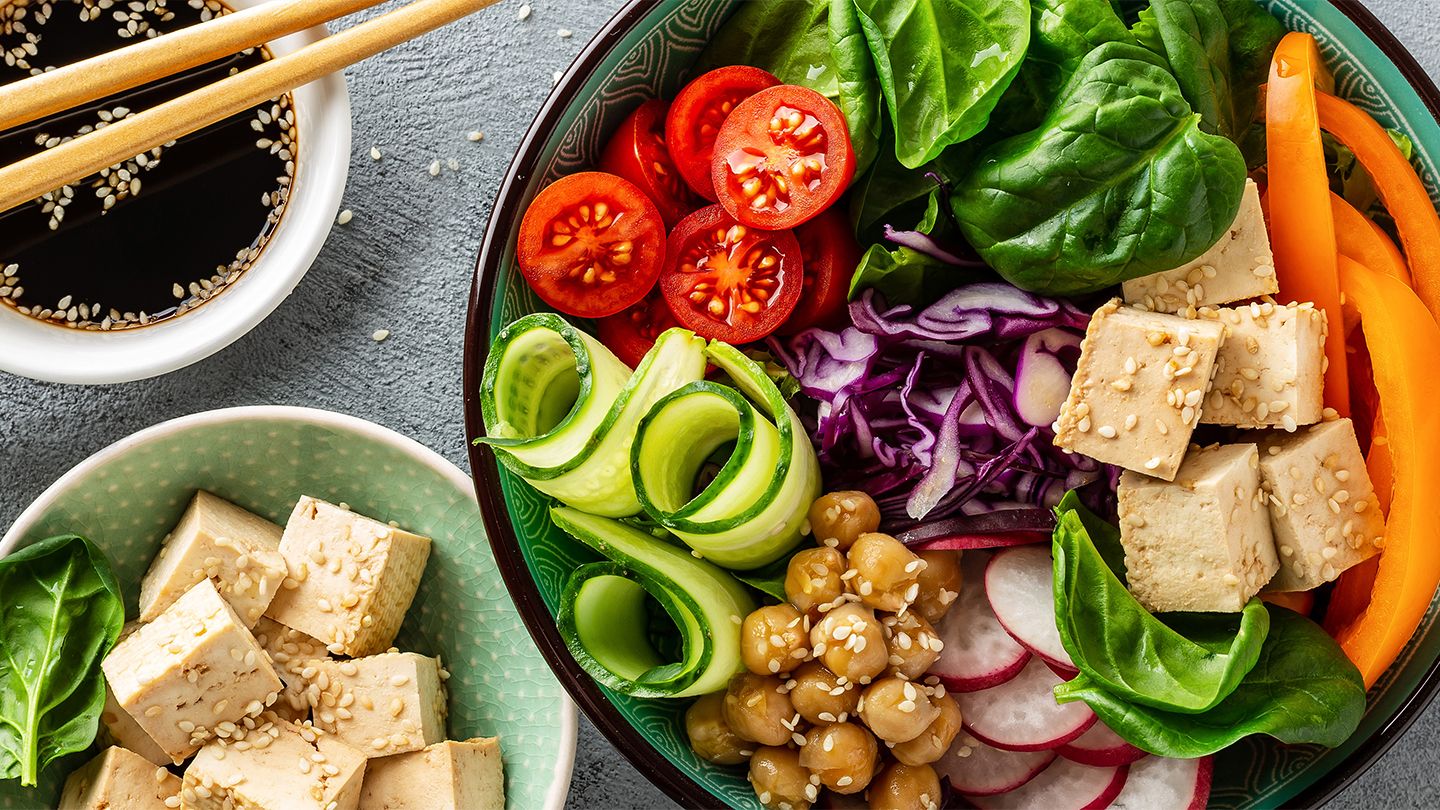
(157, 235)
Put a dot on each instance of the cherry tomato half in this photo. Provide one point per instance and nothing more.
(697, 114)
(637, 153)
(591, 244)
(830, 254)
(782, 157)
(729, 281)
(632, 332)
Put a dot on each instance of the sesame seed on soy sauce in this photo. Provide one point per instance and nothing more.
(159, 234)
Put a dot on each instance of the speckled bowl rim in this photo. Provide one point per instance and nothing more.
(569, 721)
(505, 218)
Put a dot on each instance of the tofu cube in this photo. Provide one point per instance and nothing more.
(1138, 391)
(1323, 508)
(117, 727)
(1271, 371)
(275, 766)
(194, 669)
(118, 779)
(444, 776)
(290, 651)
(215, 539)
(1201, 543)
(383, 704)
(1239, 266)
(351, 578)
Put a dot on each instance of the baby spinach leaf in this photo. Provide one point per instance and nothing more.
(815, 43)
(1118, 182)
(60, 615)
(942, 66)
(902, 275)
(1302, 690)
(888, 192)
(1188, 663)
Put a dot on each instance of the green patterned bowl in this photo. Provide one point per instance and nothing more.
(127, 496)
(647, 50)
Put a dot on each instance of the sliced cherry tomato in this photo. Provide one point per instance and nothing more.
(591, 244)
(729, 281)
(782, 157)
(830, 254)
(697, 114)
(632, 333)
(637, 153)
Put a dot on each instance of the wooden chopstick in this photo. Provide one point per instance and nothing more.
(83, 156)
(92, 79)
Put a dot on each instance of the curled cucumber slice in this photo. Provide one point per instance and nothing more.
(753, 511)
(561, 410)
(604, 620)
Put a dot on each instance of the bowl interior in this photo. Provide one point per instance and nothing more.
(647, 51)
(47, 352)
(130, 495)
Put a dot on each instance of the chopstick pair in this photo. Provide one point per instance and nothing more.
(30, 99)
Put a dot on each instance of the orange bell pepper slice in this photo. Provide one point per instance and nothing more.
(1399, 188)
(1302, 227)
(1362, 240)
(1401, 334)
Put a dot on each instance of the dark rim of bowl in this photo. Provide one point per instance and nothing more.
(505, 218)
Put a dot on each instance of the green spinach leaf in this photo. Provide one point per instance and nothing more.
(942, 66)
(815, 43)
(1118, 182)
(1186, 664)
(887, 192)
(60, 614)
(1302, 690)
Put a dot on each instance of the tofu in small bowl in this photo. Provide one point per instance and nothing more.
(314, 620)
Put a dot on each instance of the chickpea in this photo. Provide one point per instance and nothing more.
(905, 787)
(934, 741)
(813, 579)
(819, 696)
(711, 737)
(912, 643)
(758, 708)
(939, 584)
(897, 710)
(837, 519)
(772, 640)
(850, 642)
(887, 574)
(843, 755)
(780, 782)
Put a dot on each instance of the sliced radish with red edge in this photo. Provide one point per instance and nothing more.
(978, 653)
(1022, 715)
(1065, 785)
(1162, 783)
(977, 769)
(1101, 746)
(1020, 585)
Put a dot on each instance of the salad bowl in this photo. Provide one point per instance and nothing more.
(647, 51)
(127, 496)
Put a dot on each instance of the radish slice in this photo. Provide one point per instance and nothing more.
(1065, 785)
(1162, 783)
(1022, 715)
(978, 653)
(1020, 585)
(1101, 746)
(1042, 381)
(977, 769)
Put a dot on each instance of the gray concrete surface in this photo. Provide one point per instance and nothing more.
(404, 264)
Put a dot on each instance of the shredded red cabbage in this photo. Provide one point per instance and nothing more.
(918, 408)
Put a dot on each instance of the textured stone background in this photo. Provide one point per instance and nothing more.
(404, 264)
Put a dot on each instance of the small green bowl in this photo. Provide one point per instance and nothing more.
(129, 495)
(647, 50)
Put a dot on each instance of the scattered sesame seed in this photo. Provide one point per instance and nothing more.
(345, 217)
(375, 153)
(524, 13)
(435, 169)
(565, 33)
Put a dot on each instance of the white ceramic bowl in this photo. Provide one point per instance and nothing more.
(46, 352)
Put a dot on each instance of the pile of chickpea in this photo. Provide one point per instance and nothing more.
(835, 695)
